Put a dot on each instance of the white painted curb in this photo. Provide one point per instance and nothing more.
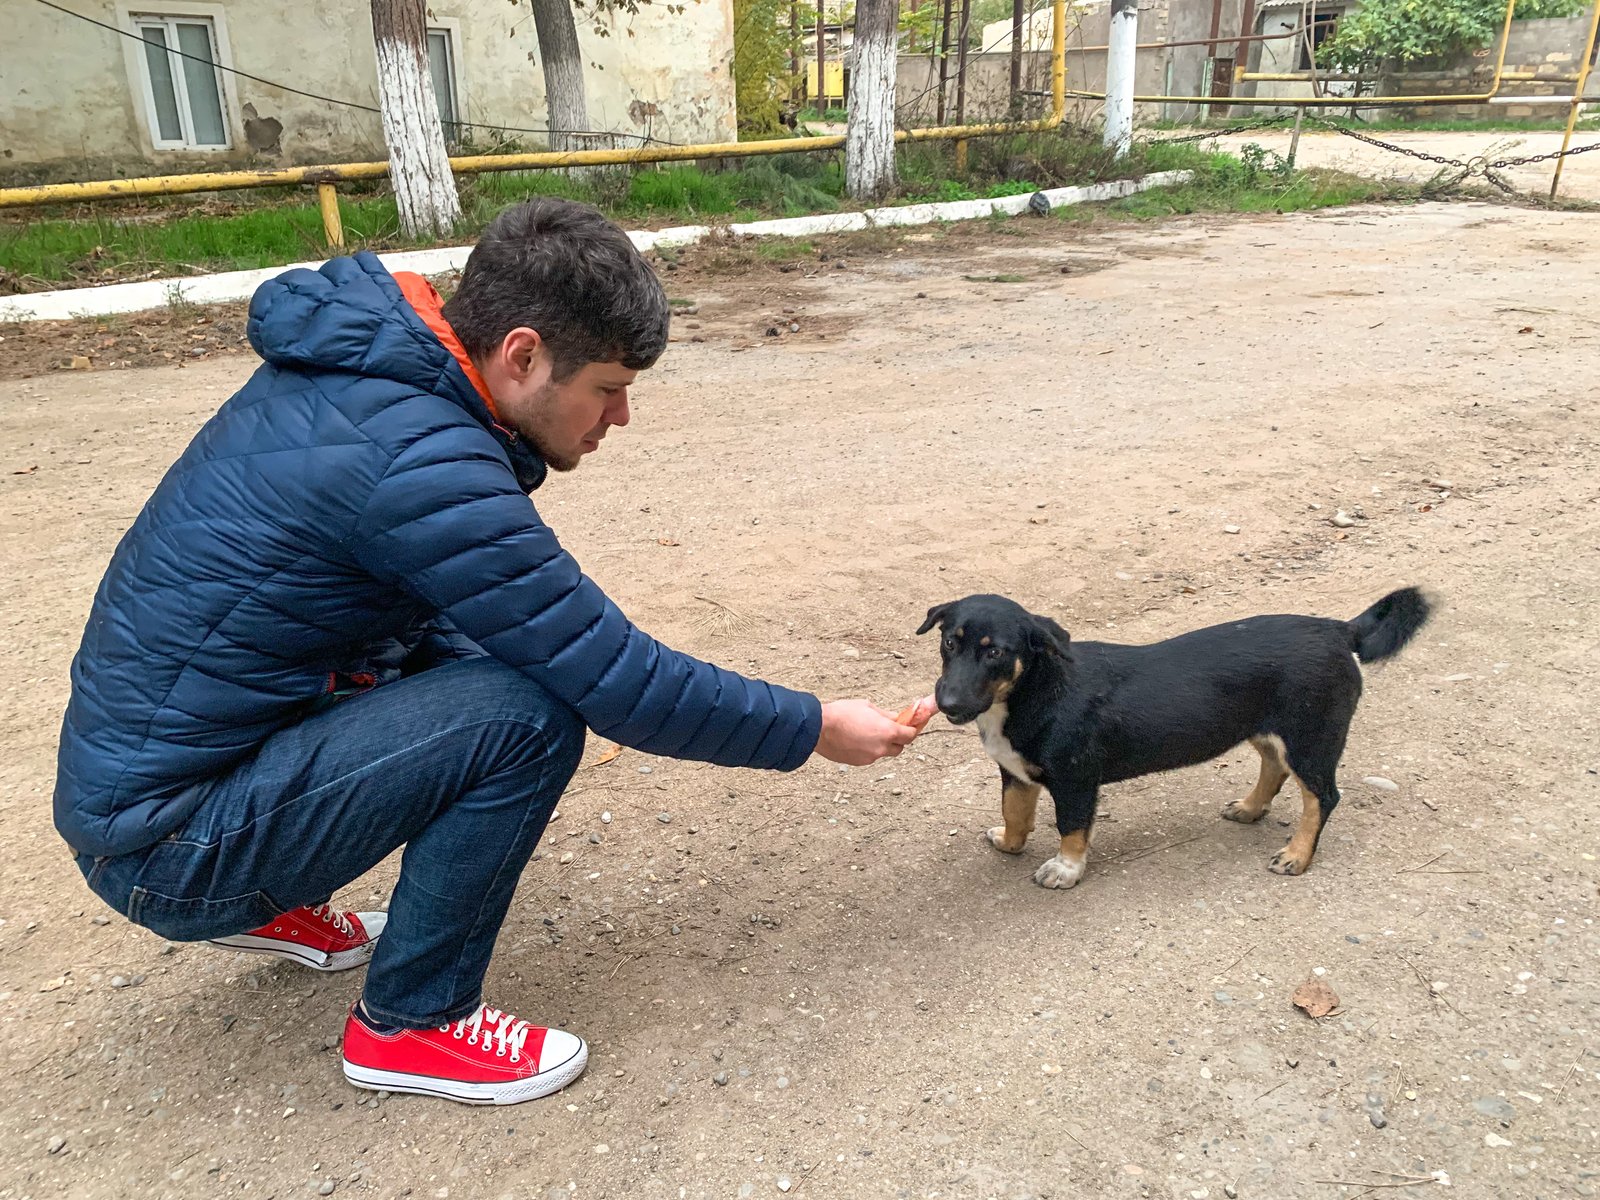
(240, 285)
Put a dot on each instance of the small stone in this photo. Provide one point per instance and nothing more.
(676, 930)
(1341, 520)
(100, 919)
(1231, 529)
(1494, 1106)
(1495, 1142)
(326, 1189)
(1231, 1192)
(1222, 997)
(850, 652)
(783, 1082)
(784, 1183)
(1379, 1121)
(78, 363)
(1457, 678)
(120, 981)
(566, 858)
(646, 770)
(720, 1079)
(55, 1145)
(594, 839)
(602, 1148)
(1382, 784)
(664, 818)
(605, 818)
(287, 1113)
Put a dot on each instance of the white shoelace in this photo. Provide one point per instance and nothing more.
(489, 1026)
(335, 918)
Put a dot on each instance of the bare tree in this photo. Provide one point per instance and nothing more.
(419, 165)
(568, 110)
(869, 136)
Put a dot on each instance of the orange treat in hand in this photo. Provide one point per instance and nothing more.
(918, 714)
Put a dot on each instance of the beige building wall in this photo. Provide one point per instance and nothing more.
(73, 98)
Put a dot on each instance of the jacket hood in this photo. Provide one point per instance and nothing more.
(351, 315)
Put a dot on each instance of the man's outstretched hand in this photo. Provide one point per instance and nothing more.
(858, 732)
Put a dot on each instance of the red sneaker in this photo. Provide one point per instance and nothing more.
(321, 938)
(490, 1057)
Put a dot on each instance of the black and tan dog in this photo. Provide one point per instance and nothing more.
(1071, 716)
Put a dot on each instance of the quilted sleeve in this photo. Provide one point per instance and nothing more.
(447, 524)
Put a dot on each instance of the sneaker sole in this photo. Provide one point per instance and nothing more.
(543, 1084)
(315, 959)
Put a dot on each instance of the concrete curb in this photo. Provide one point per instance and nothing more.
(70, 303)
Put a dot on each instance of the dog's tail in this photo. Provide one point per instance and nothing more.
(1384, 629)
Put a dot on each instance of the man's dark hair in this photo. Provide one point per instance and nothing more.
(562, 269)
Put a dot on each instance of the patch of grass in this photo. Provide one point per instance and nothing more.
(784, 249)
(1256, 180)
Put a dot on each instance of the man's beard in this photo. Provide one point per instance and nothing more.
(540, 407)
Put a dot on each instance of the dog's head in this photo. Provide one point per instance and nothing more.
(989, 644)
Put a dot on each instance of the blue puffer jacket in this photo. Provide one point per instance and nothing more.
(352, 502)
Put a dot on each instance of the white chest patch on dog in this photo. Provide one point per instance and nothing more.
(991, 728)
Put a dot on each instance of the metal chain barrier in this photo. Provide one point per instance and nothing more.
(1477, 167)
(1216, 133)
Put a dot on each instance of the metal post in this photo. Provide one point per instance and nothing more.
(1294, 142)
(1577, 96)
(1058, 62)
(1016, 54)
(1120, 63)
(332, 226)
(961, 64)
(961, 158)
(944, 60)
(822, 65)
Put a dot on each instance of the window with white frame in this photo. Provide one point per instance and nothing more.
(182, 85)
(442, 69)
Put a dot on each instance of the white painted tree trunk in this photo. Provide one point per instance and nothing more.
(419, 164)
(1119, 75)
(869, 172)
(568, 111)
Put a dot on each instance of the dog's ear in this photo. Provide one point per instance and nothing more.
(936, 616)
(1049, 638)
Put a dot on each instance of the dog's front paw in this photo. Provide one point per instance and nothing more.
(997, 838)
(1289, 861)
(1059, 872)
(1242, 812)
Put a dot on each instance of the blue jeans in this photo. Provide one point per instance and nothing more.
(461, 764)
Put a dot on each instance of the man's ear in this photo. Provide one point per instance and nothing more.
(936, 616)
(1049, 638)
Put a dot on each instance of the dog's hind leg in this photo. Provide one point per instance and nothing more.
(1314, 763)
(1018, 800)
(1273, 773)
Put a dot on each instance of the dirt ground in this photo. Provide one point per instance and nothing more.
(825, 983)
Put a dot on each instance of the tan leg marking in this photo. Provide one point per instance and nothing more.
(1066, 868)
(1273, 772)
(1017, 803)
(1294, 858)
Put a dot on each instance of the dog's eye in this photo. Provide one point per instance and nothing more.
(993, 652)
(950, 644)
